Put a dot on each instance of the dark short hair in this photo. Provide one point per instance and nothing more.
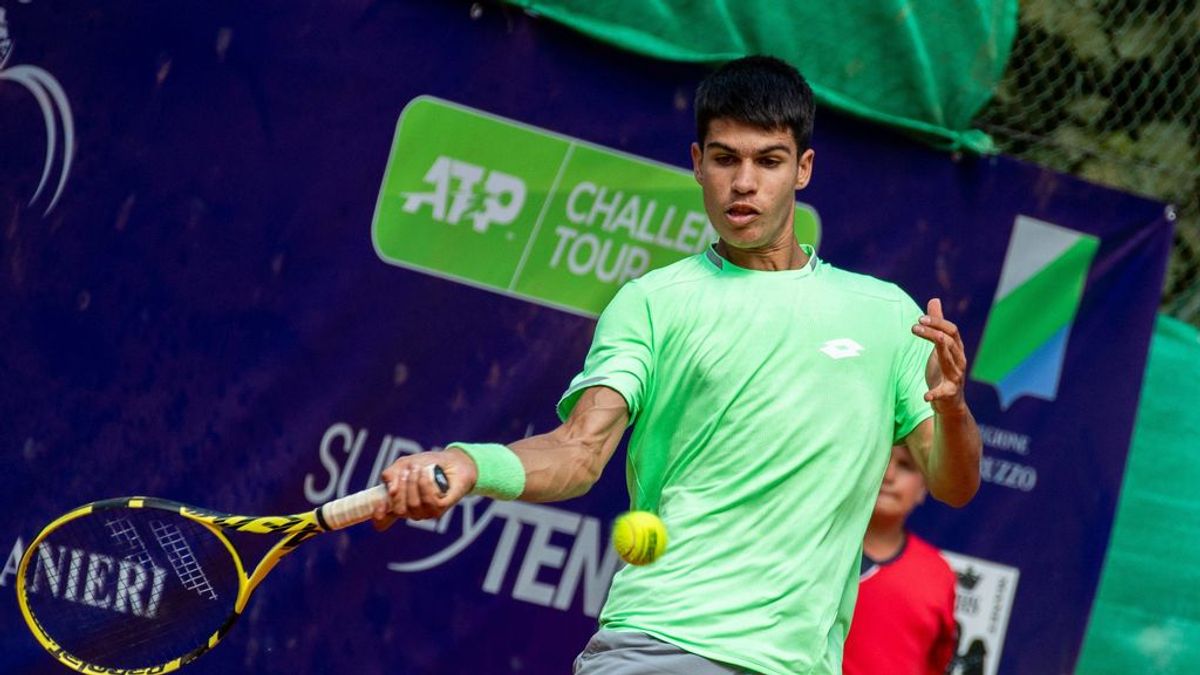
(762, 91)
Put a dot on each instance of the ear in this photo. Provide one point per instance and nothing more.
(804, 168)
(697, 155)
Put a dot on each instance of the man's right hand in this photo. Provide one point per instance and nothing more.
(413, 492)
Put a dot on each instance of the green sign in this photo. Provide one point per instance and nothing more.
(519, 210)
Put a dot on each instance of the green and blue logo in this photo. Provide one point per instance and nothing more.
(1041, 284)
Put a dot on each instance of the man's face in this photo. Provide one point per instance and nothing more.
(750, 177)
(903, 486)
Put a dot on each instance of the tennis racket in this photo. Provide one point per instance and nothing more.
(140, 585)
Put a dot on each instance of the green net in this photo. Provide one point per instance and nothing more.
(927, 66)
(1110, 90)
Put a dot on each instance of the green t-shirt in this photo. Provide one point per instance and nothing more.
(764, 405)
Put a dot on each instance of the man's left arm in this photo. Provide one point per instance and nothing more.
(947, 446)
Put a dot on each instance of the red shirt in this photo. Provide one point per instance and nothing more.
(904, 620)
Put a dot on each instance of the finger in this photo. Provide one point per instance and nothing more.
(943, 325)
(398, 491)
(944, 390)
(951, 364)
(934, 308)
(946, 360)
(413, 494)
(383, 523)
(388, 476)
(948, 345)
(932, 334)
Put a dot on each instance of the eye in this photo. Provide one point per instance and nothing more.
(770, 162)
(724, 160)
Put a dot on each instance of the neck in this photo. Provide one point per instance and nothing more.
(783, 255)
(883, 540)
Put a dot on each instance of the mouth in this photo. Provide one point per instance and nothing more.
(741, 213)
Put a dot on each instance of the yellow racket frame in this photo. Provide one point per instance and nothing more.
(297, 528)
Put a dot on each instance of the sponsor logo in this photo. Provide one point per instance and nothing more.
(544, 555)
(983, 604)
(97, 580)
(466, 191)
(842, 348)
(510, 208)
(968, 578)
(1012, 475)
(56, 113)
(1041, 284)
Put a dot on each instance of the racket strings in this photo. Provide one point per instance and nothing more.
(182, 559)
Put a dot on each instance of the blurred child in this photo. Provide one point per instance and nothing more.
(904, 620)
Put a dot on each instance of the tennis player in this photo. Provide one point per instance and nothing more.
(764, 386)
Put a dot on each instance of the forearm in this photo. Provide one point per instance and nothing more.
(567, 461)
(560, 465)
(953, 471)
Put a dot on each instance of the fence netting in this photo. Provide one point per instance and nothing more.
(1109, 90)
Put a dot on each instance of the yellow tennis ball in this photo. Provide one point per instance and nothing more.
(639, 537)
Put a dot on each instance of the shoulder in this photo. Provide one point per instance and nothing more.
(928, 556)
(691, 269)
(637, 298)
(865, 285)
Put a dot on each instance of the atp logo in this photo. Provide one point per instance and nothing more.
(841, 348)
(1044, 272)
(56, 112)
(464, 191)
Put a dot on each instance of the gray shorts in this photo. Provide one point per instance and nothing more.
(611, 652)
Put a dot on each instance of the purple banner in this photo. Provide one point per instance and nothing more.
(193, 308)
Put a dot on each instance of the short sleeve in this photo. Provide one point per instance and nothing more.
(911, 406)
(622, 353)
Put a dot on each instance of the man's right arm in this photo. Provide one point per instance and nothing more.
(566, 462)
(560, 464)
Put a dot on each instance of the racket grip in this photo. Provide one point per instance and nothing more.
(358, 507)
(352, 509)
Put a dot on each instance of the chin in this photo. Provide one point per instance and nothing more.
(743, 240)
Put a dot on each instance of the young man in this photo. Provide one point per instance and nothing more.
(904, 618)
(762, 384)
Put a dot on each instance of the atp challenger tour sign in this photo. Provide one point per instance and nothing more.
(532, 214)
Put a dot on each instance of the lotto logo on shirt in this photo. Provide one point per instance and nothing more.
(490, 202)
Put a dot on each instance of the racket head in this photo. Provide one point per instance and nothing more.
(133, 584)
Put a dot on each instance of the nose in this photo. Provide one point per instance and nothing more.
(744, 180)
(889, 474)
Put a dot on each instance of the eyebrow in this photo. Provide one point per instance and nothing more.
(779, 147)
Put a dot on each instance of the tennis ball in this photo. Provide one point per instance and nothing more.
(639, 537)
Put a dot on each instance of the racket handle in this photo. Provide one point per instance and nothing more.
(358, 507)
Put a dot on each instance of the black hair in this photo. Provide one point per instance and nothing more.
(762, 91)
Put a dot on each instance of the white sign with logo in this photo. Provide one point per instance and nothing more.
(985, 593)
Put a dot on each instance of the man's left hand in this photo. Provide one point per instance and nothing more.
(946, 369)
